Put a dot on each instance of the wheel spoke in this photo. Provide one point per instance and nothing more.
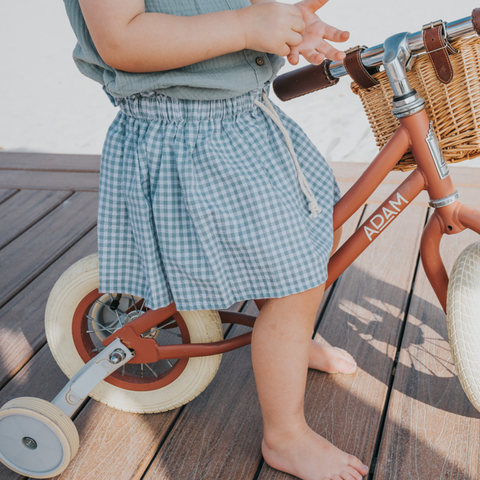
(119, 320)
(134, 304)
(101, 327)
(155, 329)
(148, 366)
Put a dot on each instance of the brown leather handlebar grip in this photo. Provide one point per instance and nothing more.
(303, 80)
(476, 20)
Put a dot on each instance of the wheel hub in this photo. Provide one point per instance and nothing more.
(95, 320)
(37, 453)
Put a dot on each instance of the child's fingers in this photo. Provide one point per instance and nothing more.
(294, 39)
(298, 25)
(329, 51)
(335, 35)
(293, 57)
(313, 56)
(313, 5)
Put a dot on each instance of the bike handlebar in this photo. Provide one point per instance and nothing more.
(316, 77)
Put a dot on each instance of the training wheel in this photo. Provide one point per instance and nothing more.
(37, 439)
(463, 318)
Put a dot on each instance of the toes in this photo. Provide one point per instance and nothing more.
(354, 473)
(344, 354)
(347, 366)
(357, 465)
(348, 356)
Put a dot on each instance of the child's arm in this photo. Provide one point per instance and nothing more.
(130, 39)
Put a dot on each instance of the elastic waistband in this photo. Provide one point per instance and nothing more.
(155, 106)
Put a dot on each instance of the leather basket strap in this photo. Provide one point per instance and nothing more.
(355, 68)
(436, 46)
(476, 20)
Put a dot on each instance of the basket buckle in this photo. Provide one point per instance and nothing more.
(355, 49)
(441, 23)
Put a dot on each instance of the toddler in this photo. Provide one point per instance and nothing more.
(211, 195)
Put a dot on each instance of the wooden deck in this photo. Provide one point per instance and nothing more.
(403, 412)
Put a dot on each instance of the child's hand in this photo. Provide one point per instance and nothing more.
(271, 27)
(313, 46)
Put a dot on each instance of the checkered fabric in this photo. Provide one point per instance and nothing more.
(200, 204)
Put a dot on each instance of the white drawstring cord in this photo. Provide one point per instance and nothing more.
(313, 206)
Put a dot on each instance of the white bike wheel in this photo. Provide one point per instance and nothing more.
(463, 318)
(37, 439)
(204, 326)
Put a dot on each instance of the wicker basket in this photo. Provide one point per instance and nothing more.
(453, 108)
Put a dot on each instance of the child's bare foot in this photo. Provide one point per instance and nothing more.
(330, 359)
(311, 457)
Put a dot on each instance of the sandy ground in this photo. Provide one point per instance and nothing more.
(48, 106)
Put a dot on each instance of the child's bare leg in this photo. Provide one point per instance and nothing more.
(324, 357)
(281, 344)
(327, 358)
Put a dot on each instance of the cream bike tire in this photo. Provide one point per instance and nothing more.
(144, 388)
(463, 320)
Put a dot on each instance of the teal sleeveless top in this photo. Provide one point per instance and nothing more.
(222, 77)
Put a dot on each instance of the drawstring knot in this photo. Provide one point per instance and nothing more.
(313, 206)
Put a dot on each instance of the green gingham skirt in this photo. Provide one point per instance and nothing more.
(200, 204)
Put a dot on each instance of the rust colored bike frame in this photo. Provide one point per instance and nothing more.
(447, 220)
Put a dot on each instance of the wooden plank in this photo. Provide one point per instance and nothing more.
(38, 180)
(116, 444)
(21, 319)
(24, 209)
(6, 194)
(431, 429)
(29, 254)
(49, 161)
(364, 317)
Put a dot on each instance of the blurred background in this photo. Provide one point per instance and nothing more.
(47, 106)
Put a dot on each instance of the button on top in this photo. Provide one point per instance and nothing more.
(259, 61)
